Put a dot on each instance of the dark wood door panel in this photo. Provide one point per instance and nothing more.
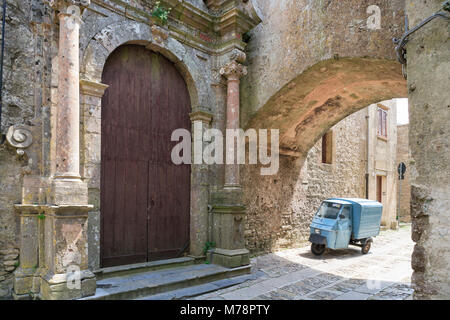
(144, 197)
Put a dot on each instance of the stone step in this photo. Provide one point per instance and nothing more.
(192, 292)
(119, 271)
(149, 283)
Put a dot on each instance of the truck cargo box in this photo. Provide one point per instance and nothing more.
(366, 217)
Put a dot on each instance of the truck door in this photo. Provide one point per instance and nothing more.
(344, 228)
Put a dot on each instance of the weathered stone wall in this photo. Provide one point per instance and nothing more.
(280, 207)
(24, 77)
(403, 155)
(10, 177)
(428, 71)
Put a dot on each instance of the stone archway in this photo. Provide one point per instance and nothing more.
(323, 95)
(304, 110)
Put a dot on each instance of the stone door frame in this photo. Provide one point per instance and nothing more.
(91, 91)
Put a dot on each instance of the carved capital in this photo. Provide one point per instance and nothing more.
(64, 5)
(20, 137)
(202, 116)
(233, 70)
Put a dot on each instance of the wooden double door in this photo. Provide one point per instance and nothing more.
(144, 196)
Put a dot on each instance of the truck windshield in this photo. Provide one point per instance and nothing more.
(329, 210)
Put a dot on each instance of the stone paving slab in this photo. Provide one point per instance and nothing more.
(353, 295)
(296, 274)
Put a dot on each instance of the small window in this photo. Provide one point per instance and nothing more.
(327, 148)
(382, 123)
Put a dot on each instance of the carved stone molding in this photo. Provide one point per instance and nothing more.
(60, 4)
(91, 88)
(159, 34)
(215, 4)
(201, 116)
(233, 70)
(20, 137)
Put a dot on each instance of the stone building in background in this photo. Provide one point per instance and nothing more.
(404, 155)
(381, 166)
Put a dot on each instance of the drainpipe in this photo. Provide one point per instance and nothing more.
(2, 136)
(367, 154)
(210, 223)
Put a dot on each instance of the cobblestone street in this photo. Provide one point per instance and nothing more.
(296, 274)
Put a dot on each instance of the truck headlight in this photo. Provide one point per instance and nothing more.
(317, 231)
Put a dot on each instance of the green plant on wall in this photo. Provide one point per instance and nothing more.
(446, 5)
(41, 216)
(246, 37)
(208, 245)
(160, 12)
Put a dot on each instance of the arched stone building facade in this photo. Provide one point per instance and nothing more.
(309, 65)
(60, 212)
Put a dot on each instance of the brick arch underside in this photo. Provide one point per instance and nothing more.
(308, 106)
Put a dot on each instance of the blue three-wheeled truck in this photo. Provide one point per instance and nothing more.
(340, 222)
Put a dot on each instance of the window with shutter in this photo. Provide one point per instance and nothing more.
(327, 148)
(382, 123)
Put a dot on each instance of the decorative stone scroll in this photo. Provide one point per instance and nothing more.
(238, 55)
(20, 137)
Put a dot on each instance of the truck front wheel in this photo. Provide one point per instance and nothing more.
(317, 249)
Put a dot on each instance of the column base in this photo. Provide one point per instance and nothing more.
(22, 296)
(68, 191)
(229, 258)
(58, 287)
(26, 284)
(228, 229)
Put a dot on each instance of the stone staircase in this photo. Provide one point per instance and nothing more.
(167, 279)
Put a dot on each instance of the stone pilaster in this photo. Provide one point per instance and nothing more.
(27, 141)
(227, 206)
(91, 99)
(67, 275)
(199, 187)
(26, 276)
(233, 71)
(67, 185)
